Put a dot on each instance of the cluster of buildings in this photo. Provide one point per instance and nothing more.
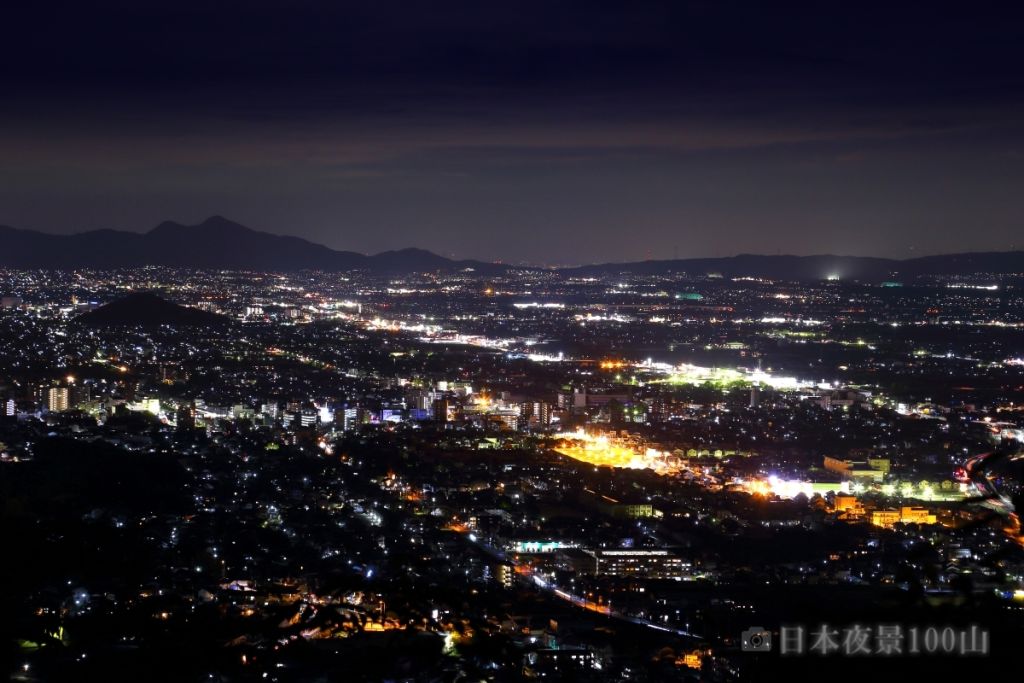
(495, 473)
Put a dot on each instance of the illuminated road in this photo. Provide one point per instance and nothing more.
(552, 589)
(994, 499)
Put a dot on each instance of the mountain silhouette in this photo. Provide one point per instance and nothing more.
(217, 243)
(819, 267)
(148, 309)
(220, 244)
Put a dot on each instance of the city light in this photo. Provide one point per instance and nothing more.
(603, 450)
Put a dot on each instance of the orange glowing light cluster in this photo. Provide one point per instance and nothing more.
(607, 451)
(758, 487)
(600, 609)
(613, 364)
(1013, 529)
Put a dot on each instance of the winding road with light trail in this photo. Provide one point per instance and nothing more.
(994, 499)
(548, 587)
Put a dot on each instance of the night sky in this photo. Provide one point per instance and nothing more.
(543, 132)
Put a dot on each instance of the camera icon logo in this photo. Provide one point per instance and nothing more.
(756, 639)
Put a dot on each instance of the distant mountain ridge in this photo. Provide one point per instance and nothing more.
(220, 244)
(216, 243)
(820, 267)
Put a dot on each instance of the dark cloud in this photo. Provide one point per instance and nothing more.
(535, 130)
